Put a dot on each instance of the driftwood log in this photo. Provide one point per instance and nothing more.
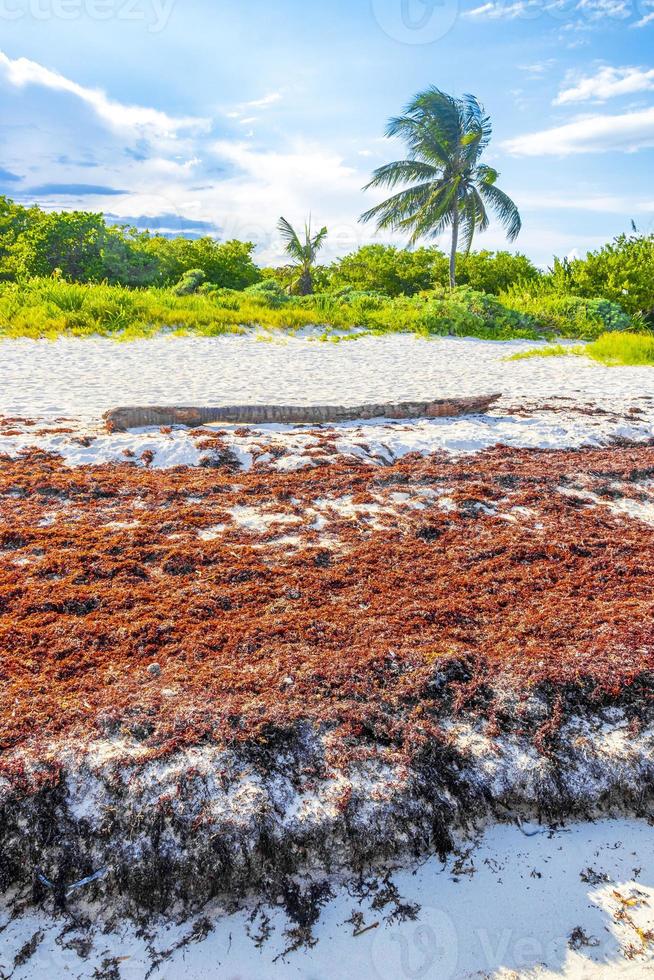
(121, 419)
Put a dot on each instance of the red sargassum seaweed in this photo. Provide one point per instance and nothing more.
(103, 573)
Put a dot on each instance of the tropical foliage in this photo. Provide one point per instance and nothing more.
(71, 272)
(82, 247)
(622, 271)
(303, 252)
(446, 185)
(385, 269)
(397, 271)
(51, 307)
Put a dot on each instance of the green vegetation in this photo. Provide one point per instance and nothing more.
(565, 314)
(626, 349)
(50, 307)
(622, 271)
(397, 272)
(552, 350)
(448, 186)
(303, 253)
(71, 273)
(81, 247)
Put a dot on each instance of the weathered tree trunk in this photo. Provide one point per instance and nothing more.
(121, 419)
(305, 283)
(455, 242)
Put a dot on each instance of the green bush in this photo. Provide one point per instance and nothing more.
(226, 264)
(566, 315)
(268, 291)
(74, 245)
(622, 271)
(487, 272)
(190, 282)
(287, 276)
(384, 269)
(466, 312)
(81, 247)
(635, 349)
(400, 272)
(462, 312)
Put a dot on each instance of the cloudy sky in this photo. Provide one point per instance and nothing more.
(196, 116)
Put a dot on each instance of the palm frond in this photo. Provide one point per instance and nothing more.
(433, 224)
(437, 213)
(318, 241)
(441, 111)
(477, 126)
(474, 217)
(424, 141)
(485, 174)
(401, 172)
(390, 213)
(504, 208)
(292, 244)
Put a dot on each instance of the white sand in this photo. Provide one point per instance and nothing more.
(80, 379)
(505, 908)
(86, 377)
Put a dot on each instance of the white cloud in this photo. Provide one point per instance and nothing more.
(598, 133)
(505, 11)
(234, 185)
(600, 9)
(607, 83)
(538, 69)
(301, 178)
(170, 168)
(264, 102)
(600, 203)
(576, 13)
(137, 120)
(243, 112)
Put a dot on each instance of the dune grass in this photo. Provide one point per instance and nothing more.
(622, 348)
(552, 350)
(612, 349)
(51, 308)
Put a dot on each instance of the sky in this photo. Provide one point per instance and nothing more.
(202, 116)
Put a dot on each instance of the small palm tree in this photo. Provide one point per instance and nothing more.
(303, 253)
(449, 187)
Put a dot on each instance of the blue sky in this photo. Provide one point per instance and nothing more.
(196, 116)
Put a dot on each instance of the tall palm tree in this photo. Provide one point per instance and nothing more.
(303, 253)
(449, 187)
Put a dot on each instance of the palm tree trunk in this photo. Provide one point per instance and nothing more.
(455, 242)
(121, 419)
(305, 283)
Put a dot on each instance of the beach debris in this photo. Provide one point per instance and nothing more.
(137, 416)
